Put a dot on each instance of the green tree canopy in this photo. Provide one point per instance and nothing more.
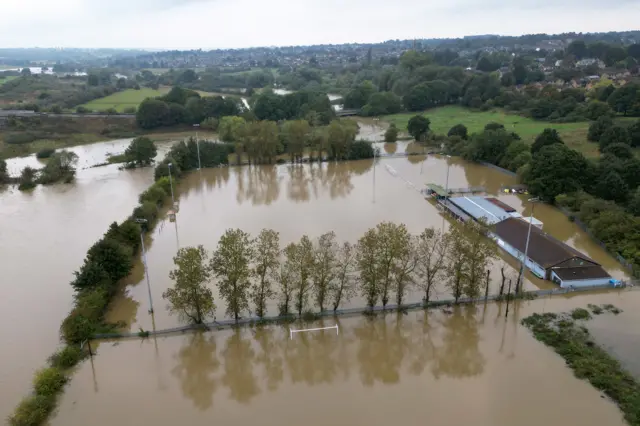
(141, 151)
(620, 150)
(418, 127)
(458, 130)
(556, 169)
(598, 127)
(546, 138)
(614, 135)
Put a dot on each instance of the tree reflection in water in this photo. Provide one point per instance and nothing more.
(459, 355)
(380, 349)
(197, 365)
(263, 186)
(390, 148)
(239, 357)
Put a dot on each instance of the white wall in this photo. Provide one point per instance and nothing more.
(537, 270)
(581, 283)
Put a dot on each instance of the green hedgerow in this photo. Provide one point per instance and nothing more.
(49, 381)
(580, 314)
(33, 410)
(67, 357)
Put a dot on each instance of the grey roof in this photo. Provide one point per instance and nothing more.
(481, 208)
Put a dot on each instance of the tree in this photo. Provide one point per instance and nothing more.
(478, 253)
(190, 297)
(598, 127)
(486, 65)
(556, 169)
(59, 167)
(391, 134)
(624, 99)
(266, 265)
(296, 134)
(382, 103)
(231, 264)
(634, 134)
(612, 187)
(342, 287)
(431, 250)
(393, 243)
(614, 135)
(93, 80)
(366, 254)
(546, 138)
(340, 137)
(285, 277)
(597, 109)
(299, 257)
(229, 129)
(634, 203)
(620, 150)
(359, 96)
(4, 174)
(459, 130)
(418, 127)
(578, 48)
(141, 151)
(152, 113)
(403, 269)
(113, 256)
(324, 267)
(494, 126)
(456, 264)
(27, 178)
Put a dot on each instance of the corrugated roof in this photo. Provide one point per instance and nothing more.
(543, 248)
(506, 207)
(480, 208)
(581, 273)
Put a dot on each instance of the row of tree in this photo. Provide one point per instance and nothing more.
(60, 167)
(386, 262)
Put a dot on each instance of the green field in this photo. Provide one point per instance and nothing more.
(444, 118)
(125, 99)
(7, 79)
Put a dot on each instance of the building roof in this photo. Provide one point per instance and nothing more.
(581, 273)
(507, 208)
(480, 208)
(437, 189)
(545, 250)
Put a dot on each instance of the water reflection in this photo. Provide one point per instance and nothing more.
(390, 148)
(197, 364)
(459, 355)
(239, 356)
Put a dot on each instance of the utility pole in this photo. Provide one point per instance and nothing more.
(198, 145)
(506, 314)
(144, 261)
(526, 248)
(374, 174)
(173, 200)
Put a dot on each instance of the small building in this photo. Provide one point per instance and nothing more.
(547, 257)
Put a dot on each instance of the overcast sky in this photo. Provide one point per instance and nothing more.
(206, 24)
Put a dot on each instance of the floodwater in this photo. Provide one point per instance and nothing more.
(471, 366)
(44, 236)
(313, 199)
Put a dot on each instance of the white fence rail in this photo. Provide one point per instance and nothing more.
(291, 330)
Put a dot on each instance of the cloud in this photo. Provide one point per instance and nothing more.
(244, 23)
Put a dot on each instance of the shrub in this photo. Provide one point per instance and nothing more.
(146, 210)
(155, 194)
(130, 110)
(19, 138)
(49, 381)
(82, 110)
(77, 328)
(32, 410)
(67, 357)
(580, 314)
(391, 135)
(45, 153)
(114, 257)
(111, 111)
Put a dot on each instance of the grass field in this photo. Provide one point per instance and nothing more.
(7, 79)
(125, 99)
(444, 118)
(132, 98)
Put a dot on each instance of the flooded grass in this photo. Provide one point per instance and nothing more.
(571, 340)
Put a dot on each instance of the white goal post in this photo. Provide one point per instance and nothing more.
(291, 331)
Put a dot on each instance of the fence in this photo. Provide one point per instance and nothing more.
(226, 324)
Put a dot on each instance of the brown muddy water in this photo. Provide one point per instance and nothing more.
(44, 236)
(471, 366)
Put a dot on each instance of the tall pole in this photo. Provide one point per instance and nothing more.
(144, 261)
(173, 200)
(374, 175)
(526, 248)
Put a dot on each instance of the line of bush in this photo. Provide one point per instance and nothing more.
(587, 360)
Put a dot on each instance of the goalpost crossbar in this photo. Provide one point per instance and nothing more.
(292, 331)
